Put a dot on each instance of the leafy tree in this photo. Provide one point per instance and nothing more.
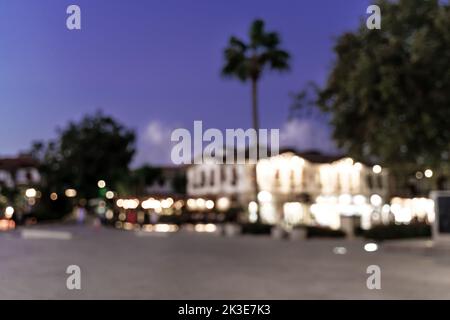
(389, 91)
(304, 104)
(138, 179)
(96, 148)
(179, 183)
(147, 174)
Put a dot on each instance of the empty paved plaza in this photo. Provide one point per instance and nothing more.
(127, 265)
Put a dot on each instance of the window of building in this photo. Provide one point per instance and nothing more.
(318, 181)
(292, 178)
(234, 176)
(202, 178)
(369, 181)
(212, 178)
(223, 176)
(338, 182)
(277, 177)
(380, 181)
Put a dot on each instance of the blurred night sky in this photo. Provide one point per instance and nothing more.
(155, 65)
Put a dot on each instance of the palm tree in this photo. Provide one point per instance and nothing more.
(247, 61)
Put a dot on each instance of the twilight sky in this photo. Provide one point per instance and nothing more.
(155, 65)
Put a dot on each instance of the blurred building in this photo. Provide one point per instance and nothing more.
(213, 181)
(295, 188)
(311, 187)
(21, 171)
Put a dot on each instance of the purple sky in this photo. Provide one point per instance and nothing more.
(154, 65)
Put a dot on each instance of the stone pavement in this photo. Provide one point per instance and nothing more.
(125, 265)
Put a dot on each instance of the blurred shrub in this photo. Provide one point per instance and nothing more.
(399, 231)
(323, 232)
(232, 214)
(172, 219)
(50, 210)
(256, 228)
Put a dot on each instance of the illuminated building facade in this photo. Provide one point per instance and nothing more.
(312, 188)
(211, 180)
(298, 188)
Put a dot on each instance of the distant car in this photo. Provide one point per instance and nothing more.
(7, 224)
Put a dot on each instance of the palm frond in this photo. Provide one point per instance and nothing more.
(247, 60)
(271, 40)
(236, 63)
(235, 42)
(276, 59)
(257, 34)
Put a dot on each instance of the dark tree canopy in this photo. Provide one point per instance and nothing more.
(304, 104)
(95, 148)
(389, 90)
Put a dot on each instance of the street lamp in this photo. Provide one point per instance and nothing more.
(377, 169)
(31, 193)
(9, 211)
(109, 195)
(70, 193)
(101, 184)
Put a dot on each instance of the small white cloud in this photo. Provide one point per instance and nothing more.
(307, 135)
(155, 132)
(154, 145)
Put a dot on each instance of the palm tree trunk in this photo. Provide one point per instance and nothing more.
(255, 118)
